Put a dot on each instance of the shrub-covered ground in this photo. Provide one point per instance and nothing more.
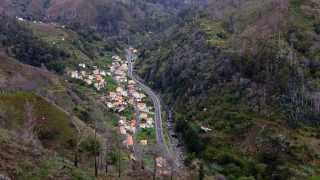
(247, 71)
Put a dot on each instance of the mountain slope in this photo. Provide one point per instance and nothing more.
(110, 17)
(247, 71)
(65, 122)
(32, 128)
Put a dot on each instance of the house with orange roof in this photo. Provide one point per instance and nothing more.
(133, 123)
(129, 141)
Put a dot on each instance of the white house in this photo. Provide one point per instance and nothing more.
(82, 65)
(20, 19)
(75, 74)
(205, 129)
(88, 81)
(96, 71)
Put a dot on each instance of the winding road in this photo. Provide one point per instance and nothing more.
(157, 106)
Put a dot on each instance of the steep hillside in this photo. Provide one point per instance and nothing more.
(32, 128)
(50, 45)
(110, 17)
(46, 121)
(34, 137)
(241, 78)
(69, 131)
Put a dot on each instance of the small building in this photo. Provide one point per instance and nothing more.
(83, 73)
(103, 73)
(142, 125)
(123, 130)
(96, 71)
(129, 141)
(144, 142)
(149, 121)
(20, 19)
(122, 122)
(205, 129)
(90, 77)
(88, 81)
(112, 95)
(131, 82)
(98, 86)
(143, 116)
(110, 105)
(75, 74)
(142, 107)
(133, 123)
(160, 162)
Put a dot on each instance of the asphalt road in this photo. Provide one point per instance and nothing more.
(157, 106)
(154, 98)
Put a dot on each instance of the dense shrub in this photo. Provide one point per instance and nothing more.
(91, 145)
(317, 28)
(29, 49)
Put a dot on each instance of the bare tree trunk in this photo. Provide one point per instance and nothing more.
(95, 166)
(106, 168)
(95, 152)
(119, 157)
(76, 159)
(155, 168)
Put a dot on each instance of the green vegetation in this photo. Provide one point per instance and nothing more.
(23, 109)
(314, 178)
(247, 70)
(29, 49)
(129, 113)
(215, 32)
(91, 146)
(54, 168)
(4, 136)
(148, 161)
(111, 84)
(148, 134)
(239, 78)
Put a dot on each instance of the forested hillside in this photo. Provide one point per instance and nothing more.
(247, 70)
(240, 76)
(119, 19)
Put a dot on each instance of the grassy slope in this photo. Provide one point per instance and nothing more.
(26, 149)
(56, 126)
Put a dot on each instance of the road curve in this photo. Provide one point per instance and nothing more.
(152, 95)
(157, 106)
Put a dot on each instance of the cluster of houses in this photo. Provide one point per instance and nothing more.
(138, 100)
(40, 22)
(92, 76)
(119, 69)
(127, 128)
(128, 94)
(117, 100)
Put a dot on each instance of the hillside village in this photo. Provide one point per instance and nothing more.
(92, 76)
(126, 95)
